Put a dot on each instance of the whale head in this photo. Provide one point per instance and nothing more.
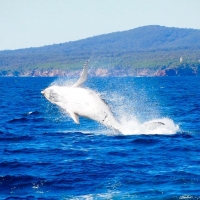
(55, 93)
(52, 94)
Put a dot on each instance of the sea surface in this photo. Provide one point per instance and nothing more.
(45, 155)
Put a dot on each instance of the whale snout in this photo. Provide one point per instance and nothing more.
(45, 93)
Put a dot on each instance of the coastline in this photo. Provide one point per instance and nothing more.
(104, 72)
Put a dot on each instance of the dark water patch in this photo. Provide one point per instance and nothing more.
(15, 164)
(22, 185)
(117, 153)
(184, 135)
(185, 149)
(16, 120)
(25, 120)
(8, 181)
(146, 141)
(15, 138)
(70, 133)
(25, 150)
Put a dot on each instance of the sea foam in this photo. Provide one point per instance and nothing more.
(163, 126)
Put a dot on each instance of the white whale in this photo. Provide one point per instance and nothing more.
(78, 101)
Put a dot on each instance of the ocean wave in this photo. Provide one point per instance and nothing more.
(8, 181)
(23, 150)
(25, 120)
(15, 138)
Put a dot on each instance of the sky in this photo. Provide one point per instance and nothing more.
(35, 23)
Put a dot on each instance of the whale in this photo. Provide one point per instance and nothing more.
(79, 101)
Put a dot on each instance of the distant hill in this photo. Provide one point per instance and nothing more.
(144, 51)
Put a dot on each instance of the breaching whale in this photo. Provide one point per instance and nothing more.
(78, 101)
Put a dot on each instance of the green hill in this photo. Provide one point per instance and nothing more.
(148, 50)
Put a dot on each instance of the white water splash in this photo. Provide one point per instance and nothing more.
(63, 82)
(164, 126)
(134, 119)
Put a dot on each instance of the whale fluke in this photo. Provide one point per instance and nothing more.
(83, 76)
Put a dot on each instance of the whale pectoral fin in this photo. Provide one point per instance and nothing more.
(83, 76)
(74, 116)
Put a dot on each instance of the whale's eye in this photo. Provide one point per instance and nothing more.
(54, 96)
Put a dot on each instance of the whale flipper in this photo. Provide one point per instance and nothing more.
(74, 116)
(83, 76)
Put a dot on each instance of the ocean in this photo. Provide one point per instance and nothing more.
(45, 155)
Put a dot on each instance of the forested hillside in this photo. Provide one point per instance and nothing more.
(144, 51)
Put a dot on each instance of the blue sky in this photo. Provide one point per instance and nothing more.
(34, 23)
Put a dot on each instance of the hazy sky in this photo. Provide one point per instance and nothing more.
(32, 23)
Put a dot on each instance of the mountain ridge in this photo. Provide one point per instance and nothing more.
(152, 48)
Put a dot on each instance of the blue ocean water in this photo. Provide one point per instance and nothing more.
(45, 155)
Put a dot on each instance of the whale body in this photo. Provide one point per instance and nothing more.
(78, 101)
